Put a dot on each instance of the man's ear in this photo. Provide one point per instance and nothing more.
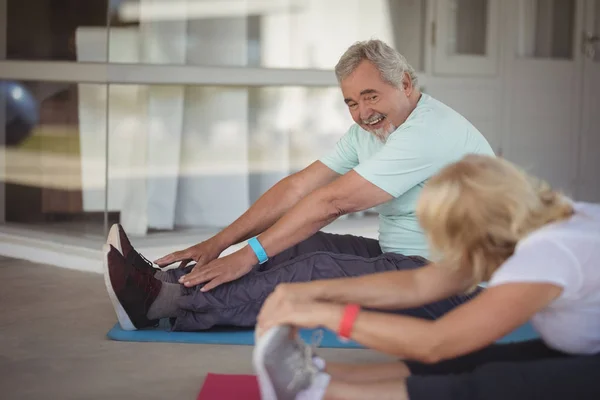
(407, 86)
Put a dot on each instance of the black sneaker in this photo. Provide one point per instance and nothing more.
(131, 290)
(119, 240)
(283, 364)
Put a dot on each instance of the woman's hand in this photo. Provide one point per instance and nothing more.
(287, 306)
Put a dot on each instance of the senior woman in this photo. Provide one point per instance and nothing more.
(487, 221)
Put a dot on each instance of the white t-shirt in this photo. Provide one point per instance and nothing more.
(567, 254)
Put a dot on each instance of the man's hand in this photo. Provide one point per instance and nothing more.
(287, 306)
(201, 253)
(221, 270)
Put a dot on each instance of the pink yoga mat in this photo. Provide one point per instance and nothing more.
(229, 387)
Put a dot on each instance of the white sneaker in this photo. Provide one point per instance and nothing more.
(284, 364)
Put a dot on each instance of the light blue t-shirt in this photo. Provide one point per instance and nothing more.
(433, 136)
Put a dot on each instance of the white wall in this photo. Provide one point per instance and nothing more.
(477, 99)
(531, 109)
(542, 101)
(588, 182)
(408, 29)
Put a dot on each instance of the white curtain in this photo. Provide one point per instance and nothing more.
(177, 155)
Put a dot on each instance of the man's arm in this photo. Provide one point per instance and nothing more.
(406, 160)
(347, 194)
(276, 202)
(263, 213)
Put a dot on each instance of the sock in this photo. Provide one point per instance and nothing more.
(165, 276)
(316, 391)
(165, 305)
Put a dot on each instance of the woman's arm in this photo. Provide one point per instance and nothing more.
(386, 290)
(478, 323)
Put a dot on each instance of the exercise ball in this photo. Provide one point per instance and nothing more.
(21, 111)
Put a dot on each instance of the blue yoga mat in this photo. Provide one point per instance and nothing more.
(224, 335)
(237, 336)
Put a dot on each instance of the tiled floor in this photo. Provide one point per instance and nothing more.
(53, 323)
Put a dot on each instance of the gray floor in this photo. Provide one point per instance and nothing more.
(53, 323)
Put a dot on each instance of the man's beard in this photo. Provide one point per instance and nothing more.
(381, 133)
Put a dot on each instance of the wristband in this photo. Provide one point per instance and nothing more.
(350, 313)
(260, 252)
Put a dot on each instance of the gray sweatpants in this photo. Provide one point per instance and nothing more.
(322, 256)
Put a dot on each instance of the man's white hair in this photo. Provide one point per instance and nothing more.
(391, 64)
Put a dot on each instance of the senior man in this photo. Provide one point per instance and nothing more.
(401, 137)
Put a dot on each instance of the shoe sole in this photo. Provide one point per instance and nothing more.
(267, 390)
(114, 238)
(122, 316)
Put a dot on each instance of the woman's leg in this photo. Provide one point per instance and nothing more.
(363, 373)
(383, 390)
(513, 352)
(552, 376)
(529, 350)
(560, 378)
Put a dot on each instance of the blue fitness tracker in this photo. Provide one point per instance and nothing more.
(260, 252)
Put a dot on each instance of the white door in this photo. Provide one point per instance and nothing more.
(543, 83)
(589, 156)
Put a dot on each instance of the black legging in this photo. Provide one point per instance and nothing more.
(514, 371)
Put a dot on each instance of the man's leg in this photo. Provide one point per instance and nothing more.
(319, 242)
(238, 303)
(330, 243)
(172, 275)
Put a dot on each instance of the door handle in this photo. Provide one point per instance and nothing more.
(592, 39)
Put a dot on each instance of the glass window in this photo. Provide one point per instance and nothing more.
(199, 156)
(467, 33)
(179, 157)
(266, 33)
(466, 37)
(45, 169)
(546, 28)
(258, 33)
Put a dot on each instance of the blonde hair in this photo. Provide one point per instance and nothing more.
(475, 211)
